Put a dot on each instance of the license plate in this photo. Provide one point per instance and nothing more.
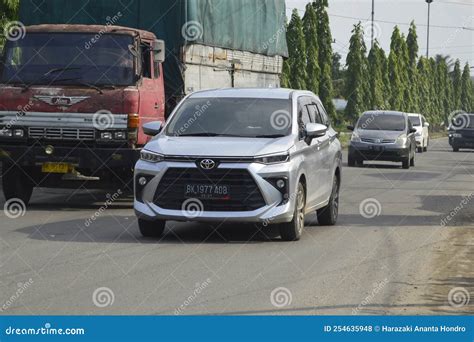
(56, 168)
(377, 148)
(207, 191)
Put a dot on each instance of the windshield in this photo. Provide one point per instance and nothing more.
(66, 58)
(240, 117)
(381, 122)
(415, 120)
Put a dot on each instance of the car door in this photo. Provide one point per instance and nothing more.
(411, 136)
(327, 148)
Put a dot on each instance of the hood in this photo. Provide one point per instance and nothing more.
(392, 135)
(218, 146)
(63, 99)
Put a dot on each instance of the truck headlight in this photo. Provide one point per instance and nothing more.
(121, 135)
(273, 159)
(106, 135)
(456, 135)
(7, 133)
(151, 157)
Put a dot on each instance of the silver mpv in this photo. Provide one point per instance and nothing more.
(266, 156)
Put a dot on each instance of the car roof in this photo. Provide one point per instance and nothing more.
(414, 114)
(384, 112)
(266, 93)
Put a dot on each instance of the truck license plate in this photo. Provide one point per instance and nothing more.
(56, 168)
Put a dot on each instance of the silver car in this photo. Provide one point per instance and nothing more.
(267, 156)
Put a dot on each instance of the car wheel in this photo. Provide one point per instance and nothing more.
(455, 149)
(328, 215)
(412, 160)
(16, 184)
(420, 149)
(406, 163)
(153, 229)
(292, 231)
(425, 149)
(351, 162)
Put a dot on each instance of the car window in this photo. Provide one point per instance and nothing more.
(410, 125)
(415, 120)
(324, 115)
(303, 115)
(313, 113)
(376, 121)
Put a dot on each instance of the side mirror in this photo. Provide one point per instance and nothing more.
(159, 51)
(412, 130)
(351, 128)
(152, 128)
(427, 124)
(314, 130)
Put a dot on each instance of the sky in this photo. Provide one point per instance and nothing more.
(449, 39)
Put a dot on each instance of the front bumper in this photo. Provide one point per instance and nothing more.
(461, 142)
(275, 209)
(382, 152)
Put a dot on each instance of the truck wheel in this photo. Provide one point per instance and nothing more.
(292, 231)
(420, 149)
(455, 149)
(328, 215)
(16, 184)
(412, 160)
(151, 228)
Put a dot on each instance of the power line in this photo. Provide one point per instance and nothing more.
(454, 3)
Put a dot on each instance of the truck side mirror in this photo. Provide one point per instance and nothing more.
(152, 128)
(159, 51)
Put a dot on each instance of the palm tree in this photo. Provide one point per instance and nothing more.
(446, 59)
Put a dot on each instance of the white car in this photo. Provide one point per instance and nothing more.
(422, 134)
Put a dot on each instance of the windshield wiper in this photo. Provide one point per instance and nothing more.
(46, 74)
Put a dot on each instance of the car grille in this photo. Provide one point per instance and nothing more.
(245, 194)
(61, 133)
(377, 141)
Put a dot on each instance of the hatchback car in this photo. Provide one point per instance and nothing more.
(383, 136)
(267, 156)
(461, 132)
(422, 135)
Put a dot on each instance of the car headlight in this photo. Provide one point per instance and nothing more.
(418, 134)
(151, 157)
(273, 159)
(355, 137)
(402, 139)
(456, 135)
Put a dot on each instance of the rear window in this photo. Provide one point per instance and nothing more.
(464, 120)
(381, 122)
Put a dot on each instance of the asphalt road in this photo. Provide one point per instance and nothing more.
(404, 260)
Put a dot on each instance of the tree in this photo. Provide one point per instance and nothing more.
(356, 77)
(8, 12)
(325, 56)
(296, 52)
(457, 85)
(424, 91)
(394, 73)
(377, 62)
(310, 28)
(413, 77)
(467, 95)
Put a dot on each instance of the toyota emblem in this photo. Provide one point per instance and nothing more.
(207, 164)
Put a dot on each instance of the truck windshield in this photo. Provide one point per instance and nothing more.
(381, 122)
(237, 117)
(69, 58)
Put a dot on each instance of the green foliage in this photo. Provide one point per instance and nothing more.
(376, 62)
(310, 28)
(297, 52)
(457, 85)
(467, 91)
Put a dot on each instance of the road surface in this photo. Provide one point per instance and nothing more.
(393, 252)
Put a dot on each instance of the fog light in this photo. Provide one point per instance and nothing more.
(280, 183)
(18, 133)
(49, 150)
(5, 132)
(106, 135)
(120, 135)
(142, 181)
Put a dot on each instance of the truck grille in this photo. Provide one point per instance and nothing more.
(245, 194)
(61, 133)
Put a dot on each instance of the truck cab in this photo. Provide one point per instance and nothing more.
(73, 99)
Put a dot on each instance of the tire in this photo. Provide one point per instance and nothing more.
(360, 162)
(292, 231)
(425, 149)
(420, 149)
(412, 160)
(16, 184)
(455, 149)
(351, 162)
(152, 229)
(328, 215)
(406, 163)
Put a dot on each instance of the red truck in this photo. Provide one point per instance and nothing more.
(74, 95)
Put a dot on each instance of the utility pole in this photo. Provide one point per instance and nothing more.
(373, 16)
(428, 34)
